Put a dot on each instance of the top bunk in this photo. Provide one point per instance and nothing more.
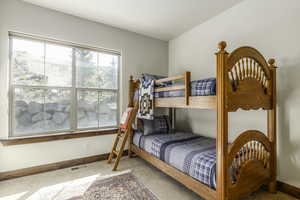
(244, 80)
(187, 94)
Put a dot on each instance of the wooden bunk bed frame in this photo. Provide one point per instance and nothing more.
(244, 81)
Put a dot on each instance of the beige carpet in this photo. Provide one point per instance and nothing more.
(52, 185)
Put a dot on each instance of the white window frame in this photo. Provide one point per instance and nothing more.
(73, 88)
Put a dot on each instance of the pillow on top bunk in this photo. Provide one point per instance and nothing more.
(159, 125)
(148, 77)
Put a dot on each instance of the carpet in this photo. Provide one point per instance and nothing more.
(124, 186)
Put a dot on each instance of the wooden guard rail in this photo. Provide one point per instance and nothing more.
(186, 86)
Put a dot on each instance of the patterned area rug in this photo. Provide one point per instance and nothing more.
(120, 187)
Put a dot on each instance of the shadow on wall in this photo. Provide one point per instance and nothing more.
(288, 130)
(182, 121)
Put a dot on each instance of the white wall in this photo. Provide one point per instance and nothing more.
(139, 54)
(271, 26)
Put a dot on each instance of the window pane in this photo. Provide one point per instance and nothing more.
(58, 70)
(107, 109)
(43, 98)
(87, 106)
(28, 111)
(58, 108)
(27, 62)
(87, 70)
(108, 70)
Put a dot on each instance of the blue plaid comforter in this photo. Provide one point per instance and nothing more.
(204, 87)
(192, 154)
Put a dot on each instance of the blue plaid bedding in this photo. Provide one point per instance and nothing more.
(204, 87)
(192, 154)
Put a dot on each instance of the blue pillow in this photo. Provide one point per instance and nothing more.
(159, 125)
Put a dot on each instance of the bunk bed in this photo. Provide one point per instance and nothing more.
(244, 80)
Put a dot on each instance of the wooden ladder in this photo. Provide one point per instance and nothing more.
(122, 137)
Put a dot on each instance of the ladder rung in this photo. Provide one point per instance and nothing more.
(120, 136)
(116, 152)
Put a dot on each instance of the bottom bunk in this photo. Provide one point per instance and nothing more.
(192, 154)
(191, 160)
(153, 148)
(191, 183)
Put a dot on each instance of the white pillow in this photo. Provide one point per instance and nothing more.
(125, 117)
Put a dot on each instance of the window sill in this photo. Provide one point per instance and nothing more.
(64, 136)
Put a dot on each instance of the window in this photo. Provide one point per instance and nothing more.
(58, 87)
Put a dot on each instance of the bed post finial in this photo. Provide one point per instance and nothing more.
(222, 45)
(271, 62)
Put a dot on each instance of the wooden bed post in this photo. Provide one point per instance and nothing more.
(131, 92)
(172, 118)
(272, 128)
(222, 123)
(187, 91)
(130, 104)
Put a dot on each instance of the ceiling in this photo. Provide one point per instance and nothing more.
(162, 19)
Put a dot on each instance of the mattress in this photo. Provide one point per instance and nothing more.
(203, 87)
(192, 154)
